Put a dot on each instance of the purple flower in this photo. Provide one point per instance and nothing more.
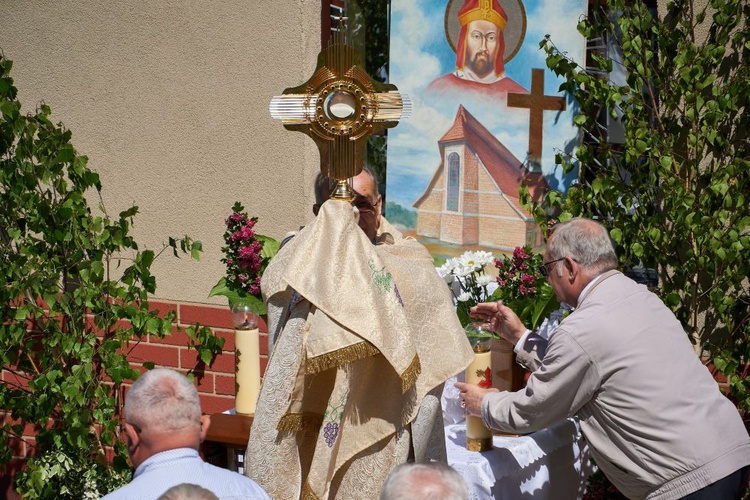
(242, 252)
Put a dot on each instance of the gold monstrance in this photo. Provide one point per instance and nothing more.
(339, 107)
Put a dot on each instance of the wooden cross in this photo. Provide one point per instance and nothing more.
(537, 103)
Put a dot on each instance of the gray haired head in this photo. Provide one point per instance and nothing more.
(585, 241)
(424, 481)
(163, 400)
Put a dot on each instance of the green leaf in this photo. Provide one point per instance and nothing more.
(206, 357)
(637, 249)
(195, 250)
(270, 246)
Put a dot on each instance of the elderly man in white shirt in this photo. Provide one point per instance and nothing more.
(164, 428)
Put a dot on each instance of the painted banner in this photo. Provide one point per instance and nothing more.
(488, 117)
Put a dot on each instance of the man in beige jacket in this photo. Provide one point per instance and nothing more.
(656, 421)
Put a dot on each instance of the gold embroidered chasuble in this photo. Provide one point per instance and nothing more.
(364, 336)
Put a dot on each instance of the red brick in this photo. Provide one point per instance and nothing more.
(15, 381)
(162, 307)
(216, 404)
(224, 363)
(219, 317)
(228, 336)
(225, 384)
(161, 355)
(32, 429)
(263, 344)
(263, 365)
(18, 446)
(122, 324)
(262, 326)
(189, 360)
(32, 449)
(204, 382)
(178, 337)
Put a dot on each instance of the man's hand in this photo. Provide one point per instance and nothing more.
(501, 319)
(471, 397)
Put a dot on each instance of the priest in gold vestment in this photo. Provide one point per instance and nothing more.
(364, 335)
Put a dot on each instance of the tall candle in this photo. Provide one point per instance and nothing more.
(478, 436)
(247, 375)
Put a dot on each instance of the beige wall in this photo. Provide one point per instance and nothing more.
(169, 100)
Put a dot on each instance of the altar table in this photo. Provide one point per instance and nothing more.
(549, 464)
(552, 463)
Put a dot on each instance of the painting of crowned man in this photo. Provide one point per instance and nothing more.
(488, 118)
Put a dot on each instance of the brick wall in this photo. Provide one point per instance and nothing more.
(215, 383)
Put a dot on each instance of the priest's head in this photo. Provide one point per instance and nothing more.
(367, 201)
(481, 43)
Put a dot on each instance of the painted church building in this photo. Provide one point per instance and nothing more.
(472, 199)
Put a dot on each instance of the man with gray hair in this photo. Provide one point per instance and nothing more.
(424, 481)
(655, 419)
(164, 428)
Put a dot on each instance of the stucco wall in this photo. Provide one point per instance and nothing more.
(169, 100)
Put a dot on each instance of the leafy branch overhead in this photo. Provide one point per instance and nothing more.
(74, 302)
(673, 193)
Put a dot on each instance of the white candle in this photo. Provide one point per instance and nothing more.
(247, 375)
(478, 436)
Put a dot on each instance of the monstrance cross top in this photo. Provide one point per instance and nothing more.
(339, 107)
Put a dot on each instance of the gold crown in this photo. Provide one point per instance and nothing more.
(484, 12)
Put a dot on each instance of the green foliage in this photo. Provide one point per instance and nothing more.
(74, 302)
(673, 195)
(399, 215)
(59, 475)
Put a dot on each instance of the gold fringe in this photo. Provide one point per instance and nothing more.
(296, 422)
(340, 357)
(410, 375)
(307, 492)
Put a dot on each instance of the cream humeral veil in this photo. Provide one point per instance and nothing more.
(364, 337)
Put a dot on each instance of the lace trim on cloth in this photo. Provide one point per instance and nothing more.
(296, 422)
(411, 374)
(340, 357)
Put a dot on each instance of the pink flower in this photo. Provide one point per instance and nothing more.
(235, 218)
(245, 233)
(519, 253)
(254, 287)
(250, 251)
(527, 279)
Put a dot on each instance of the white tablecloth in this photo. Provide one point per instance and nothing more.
(549, 464)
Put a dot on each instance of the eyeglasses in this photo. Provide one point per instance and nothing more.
(365, 207)
(544, 268)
